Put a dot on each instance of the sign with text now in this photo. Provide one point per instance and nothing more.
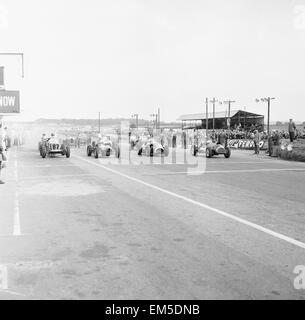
(9, 102)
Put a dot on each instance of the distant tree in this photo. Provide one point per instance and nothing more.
(279, 123)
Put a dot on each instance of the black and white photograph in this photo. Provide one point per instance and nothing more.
(152, 150)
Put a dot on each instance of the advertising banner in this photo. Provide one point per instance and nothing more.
(246, 144)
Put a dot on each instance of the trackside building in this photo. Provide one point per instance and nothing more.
(222, 120)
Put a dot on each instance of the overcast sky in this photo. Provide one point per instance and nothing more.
(131, 56)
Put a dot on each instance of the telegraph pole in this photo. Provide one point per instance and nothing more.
(207, 116)
(268, 125)
(268, 100)
(136, 116)
(155, 116)
(214, 102)
(229, 102)
(99, 122)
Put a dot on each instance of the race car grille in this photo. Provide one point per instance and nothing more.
(54, 146)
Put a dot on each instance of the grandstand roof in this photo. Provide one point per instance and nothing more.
(218, 115)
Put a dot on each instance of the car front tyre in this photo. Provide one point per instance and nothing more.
(228, 153)
(89, 151)
(68, 152)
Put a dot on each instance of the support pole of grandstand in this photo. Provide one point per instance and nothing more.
(268, 124)
(244, 118)
(207, 116)
(159, 118)
(213, 114)
(214, 102)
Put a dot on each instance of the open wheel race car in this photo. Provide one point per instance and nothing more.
(210, 150)
(215, 149)
(211, 147)
(134, 140)
(103, 148)
(152, 148)
(52, 147)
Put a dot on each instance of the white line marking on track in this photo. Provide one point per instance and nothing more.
(17, 227)
(56, 176)
(202, 205)
(229, 171)
(3, 277)
(12, 293)
(47, 166)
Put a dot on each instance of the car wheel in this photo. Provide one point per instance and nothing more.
(209, 153)
(228, 153)
(89, 151)
(151, 150)
(43, 152)
(194, 151)
(68, 152)
(118, 153)
(166, 151)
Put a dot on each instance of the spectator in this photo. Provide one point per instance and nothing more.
(222, 138)
(174, 144)
(256, 138)
(291, 130)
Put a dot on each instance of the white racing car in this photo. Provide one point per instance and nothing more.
(103, 147)
(152, 148)
(52, 147)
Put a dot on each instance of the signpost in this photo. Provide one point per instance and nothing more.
(9, 102)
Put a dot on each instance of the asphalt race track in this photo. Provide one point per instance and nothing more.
(85, 228)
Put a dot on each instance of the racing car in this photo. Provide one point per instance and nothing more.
(52, 146)
(133, 141)
(152, 148)
(211, 149)
(103, 147)
(211, 146)
(215, 149)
